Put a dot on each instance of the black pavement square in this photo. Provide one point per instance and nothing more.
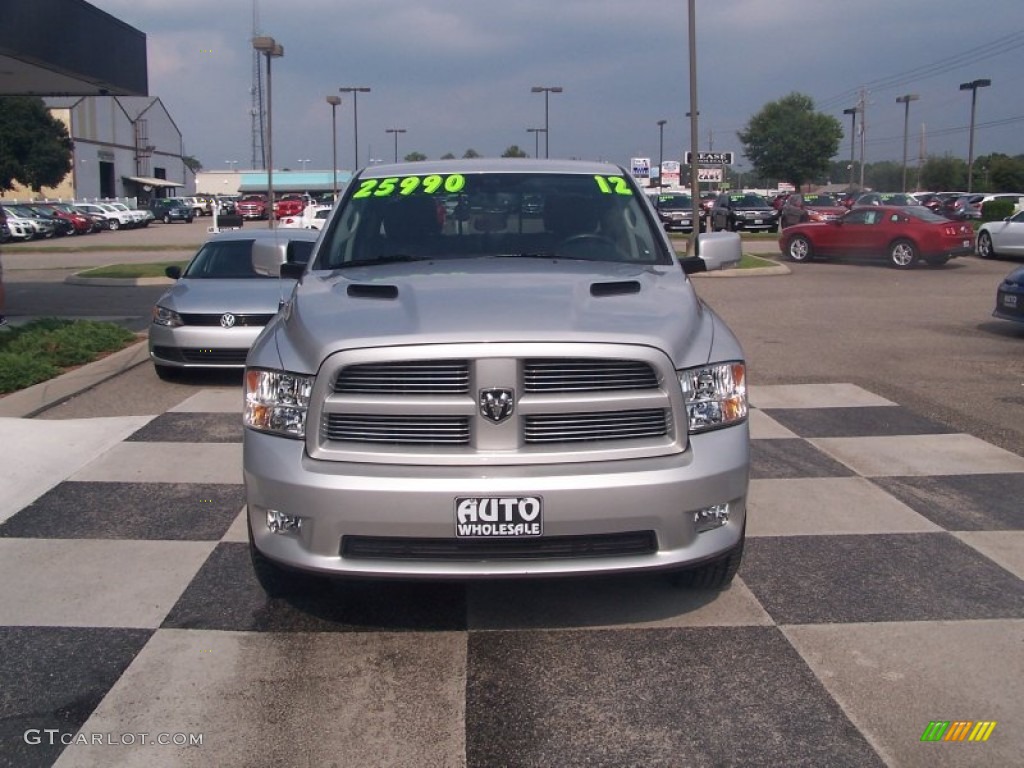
(655, 697)
(53, 678)
(189, 427)
(987, 502)
(878, 577)
(866, 421)
(225, 595)
(155, 511)
(787, 458)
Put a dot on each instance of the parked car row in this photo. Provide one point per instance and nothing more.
(34, 220)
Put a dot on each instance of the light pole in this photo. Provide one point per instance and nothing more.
(852, 112)
(304, 161)
(536, 139)
(692, 114)
(546, 90)
(230, 163)
(355, 90)
(973, 87)
(661, 152)
(334, 101)
(905, 101)
(271, 49)
(395, 131)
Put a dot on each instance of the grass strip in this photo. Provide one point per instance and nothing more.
(128, 271)
(45, 348)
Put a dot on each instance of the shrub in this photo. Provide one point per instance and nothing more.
(996, 210)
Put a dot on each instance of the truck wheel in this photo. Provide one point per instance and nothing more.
(166, 372)
(714, 575)
(167, 218)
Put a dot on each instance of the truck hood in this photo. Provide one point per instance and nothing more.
(489, 300)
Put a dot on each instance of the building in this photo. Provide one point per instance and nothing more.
(315, 183)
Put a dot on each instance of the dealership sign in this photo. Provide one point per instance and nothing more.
(710, 158)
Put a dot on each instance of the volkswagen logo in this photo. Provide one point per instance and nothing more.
(227, 320)
(496, 404)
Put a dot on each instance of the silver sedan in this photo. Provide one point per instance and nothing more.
(223, 298)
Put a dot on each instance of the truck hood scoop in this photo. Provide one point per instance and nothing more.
(618, 288)
(372, 291)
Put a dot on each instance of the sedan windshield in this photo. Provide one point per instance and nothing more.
(571, 216)
(223, 259)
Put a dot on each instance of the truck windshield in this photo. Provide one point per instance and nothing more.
(453, 216)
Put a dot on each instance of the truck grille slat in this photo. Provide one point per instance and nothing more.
(398, 430)
(428, 377)
(582, 375)
(575, 427)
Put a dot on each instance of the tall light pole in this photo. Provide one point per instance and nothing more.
(395, 131)
(852, 112)
(334, 101)
(694, 150)
(973, 87)
(547, 90)
(661, 152)
(271, 49)
(905, 101)
(230, 163)
(536, 139)
(304, 161)
(355, 90)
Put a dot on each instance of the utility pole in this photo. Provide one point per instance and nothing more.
(862, 105)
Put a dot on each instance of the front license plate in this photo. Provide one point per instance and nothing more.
(757, 221)
(498, 517)
(1010, 300)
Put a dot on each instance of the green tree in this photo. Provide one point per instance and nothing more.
(447, 156)
(415, 157)
(789, 141)
(35, 149)
(944, 173)
(513, 151)
(1005, 173)
(192, 163)
(470, 153)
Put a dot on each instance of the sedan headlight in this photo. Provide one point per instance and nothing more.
(167, 317)
(715, 395)
(277, 402)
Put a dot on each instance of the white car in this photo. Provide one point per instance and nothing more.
(138, 218)
(22, 227)
(115, 219)
(313, 217)
(1002, 238)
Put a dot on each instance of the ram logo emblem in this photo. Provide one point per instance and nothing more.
(496, 404)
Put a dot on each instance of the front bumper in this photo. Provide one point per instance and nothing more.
(201, 346)
(394, 502)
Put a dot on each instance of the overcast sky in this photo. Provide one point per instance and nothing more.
(456, 74)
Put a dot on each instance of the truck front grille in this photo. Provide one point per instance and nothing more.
(493, 404)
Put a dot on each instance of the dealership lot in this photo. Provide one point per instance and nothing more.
(881, 589)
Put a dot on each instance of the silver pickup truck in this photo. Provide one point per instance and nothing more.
(465, 386)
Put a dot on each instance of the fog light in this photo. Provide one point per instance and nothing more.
(709, 518)
(279, 522)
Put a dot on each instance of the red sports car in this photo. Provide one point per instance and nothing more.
(901, 234)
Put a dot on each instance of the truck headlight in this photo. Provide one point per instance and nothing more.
(166, 317)
(277, 402)
(715, 395)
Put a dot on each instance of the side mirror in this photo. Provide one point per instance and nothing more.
(716, 251)
(173, 272)
(268, 256)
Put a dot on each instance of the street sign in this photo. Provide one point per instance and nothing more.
(710, 158)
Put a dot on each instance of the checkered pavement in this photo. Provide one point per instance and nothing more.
(881, 590)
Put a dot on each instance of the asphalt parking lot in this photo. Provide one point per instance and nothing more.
(882, 588)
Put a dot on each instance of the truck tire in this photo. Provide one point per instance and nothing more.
(716, 574)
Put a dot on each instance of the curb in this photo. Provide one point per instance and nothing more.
(33, 400)
(778, 269)
(114, 282)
